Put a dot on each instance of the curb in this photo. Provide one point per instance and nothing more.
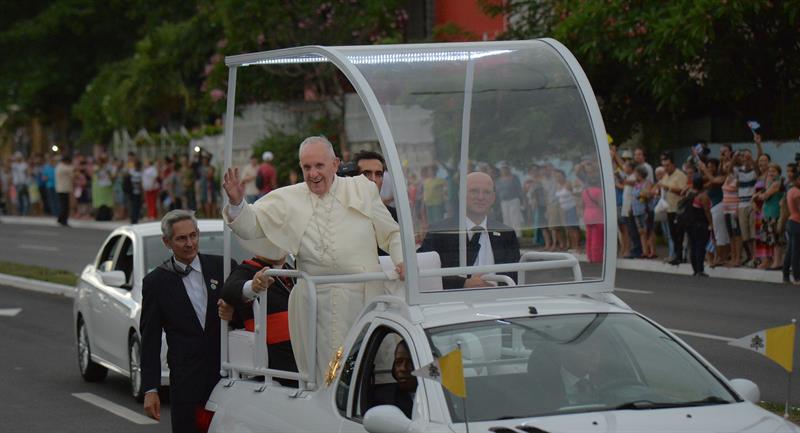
(37, 286)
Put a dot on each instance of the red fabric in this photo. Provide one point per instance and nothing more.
(150, 198)
(202, 418)
(277, 327)
(269, 176)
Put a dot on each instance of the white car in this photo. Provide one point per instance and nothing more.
(108, 300)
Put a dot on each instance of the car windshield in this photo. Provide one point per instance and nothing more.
(210, 243)
(532, 366)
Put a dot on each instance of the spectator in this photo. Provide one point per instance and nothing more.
(249, 175)
(673, 181)
(660, 209)
(211, 192)
(640, 160)
(151, 188)
(49, 176)
(593, 218)
(626, 179)
(82, 190)
(267, 174)
(642, 212)
(64, 182)
(34, 193)
(118, 174)
(103, 189)
(134, 189)
(730, 210)
(433, 194)
(746, 177)
(509, 191)
(714, 180)
(19, 176)
(566, 200)
(187, 179)
(791, 261)
(699, 225)
(172, 189)
(771, 198)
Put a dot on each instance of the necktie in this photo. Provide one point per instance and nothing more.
(182, 273)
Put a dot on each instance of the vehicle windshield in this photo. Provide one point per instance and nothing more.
(210, 243)
(533, 366)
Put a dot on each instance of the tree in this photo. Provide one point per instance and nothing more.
(653, 64)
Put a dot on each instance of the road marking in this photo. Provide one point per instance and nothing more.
(9, 312)
(114, 408)
(702, 335)
(39, 233)
(38, 247)
(641, 292)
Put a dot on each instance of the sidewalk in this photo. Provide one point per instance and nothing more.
(646, 265)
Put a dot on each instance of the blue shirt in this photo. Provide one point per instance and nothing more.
(50, 172)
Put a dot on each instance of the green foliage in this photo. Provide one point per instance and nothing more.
(653, 63)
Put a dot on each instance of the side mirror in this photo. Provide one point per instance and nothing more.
(113, 278)
(746, 389)
(386, 419)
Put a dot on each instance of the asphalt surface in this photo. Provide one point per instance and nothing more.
(57, 247)
(39, 374)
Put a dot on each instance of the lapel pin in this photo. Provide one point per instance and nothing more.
(495, 233)
(214, 284)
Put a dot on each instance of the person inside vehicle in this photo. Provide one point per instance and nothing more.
(401, 393)
(243, 286)
(373, 166)
(488, 241)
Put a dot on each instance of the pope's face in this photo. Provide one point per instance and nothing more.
(319, 167)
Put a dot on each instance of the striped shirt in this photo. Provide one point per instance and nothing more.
(747, 185)
(730, 195)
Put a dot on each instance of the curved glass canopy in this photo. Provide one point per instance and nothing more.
(523, 114)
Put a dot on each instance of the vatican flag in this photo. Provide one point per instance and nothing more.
(776, 344)
(447, 370)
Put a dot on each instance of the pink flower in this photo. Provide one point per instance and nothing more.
(217, 94)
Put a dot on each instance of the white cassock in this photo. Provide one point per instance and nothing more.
(334, 234)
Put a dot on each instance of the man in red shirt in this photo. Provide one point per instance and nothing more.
(267, 176)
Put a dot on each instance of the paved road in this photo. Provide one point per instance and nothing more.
(720, 308)
(39, 374)
(57, 247)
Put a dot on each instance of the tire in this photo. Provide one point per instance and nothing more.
(90, 370)
(135, 367)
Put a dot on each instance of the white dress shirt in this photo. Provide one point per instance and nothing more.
(195, 288)
(485, 253)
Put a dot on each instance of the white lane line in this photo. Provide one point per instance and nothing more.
(702, 335)
(9, 312)
(641, 292)
(39, 233)
(38, 247)
(114, 408)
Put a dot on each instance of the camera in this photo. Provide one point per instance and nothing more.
(348, 169)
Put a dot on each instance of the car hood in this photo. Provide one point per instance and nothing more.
(726, 418)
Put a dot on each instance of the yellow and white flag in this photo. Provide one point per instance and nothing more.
(776, 344)
(447, 370)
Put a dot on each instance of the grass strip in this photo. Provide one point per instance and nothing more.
(778, 408)
(40, 273)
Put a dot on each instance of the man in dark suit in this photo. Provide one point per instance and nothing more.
(179, 297)
(488, 241)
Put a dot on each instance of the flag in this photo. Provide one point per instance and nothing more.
(776, 344)
(447, 370)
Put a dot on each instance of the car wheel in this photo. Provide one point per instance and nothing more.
(90, 370)
(135, 367)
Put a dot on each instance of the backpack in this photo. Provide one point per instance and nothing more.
(683, 216)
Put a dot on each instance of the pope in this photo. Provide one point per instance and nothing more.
(331, 225)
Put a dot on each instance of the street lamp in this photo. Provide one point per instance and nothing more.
(197, 149)
(54, 148)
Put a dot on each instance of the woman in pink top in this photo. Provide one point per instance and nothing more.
(593, 216)
(792, 258)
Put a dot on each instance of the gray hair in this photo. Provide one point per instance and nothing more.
(175, 216)
(316, 139)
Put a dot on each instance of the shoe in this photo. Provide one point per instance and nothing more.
(675, 262)
(701, 274)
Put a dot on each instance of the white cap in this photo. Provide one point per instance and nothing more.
(266, 156)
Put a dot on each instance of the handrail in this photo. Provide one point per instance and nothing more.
(547, 256)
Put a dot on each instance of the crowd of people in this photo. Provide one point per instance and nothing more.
(103, 188)
(728, 210)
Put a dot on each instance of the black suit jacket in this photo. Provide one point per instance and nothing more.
(443, 238)
(390, 394)
(193, 353)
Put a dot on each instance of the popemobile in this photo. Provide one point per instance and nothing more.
(544, 344)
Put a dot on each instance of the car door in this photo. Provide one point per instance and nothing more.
(96, 295)
(116, 306)
(371, 382)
